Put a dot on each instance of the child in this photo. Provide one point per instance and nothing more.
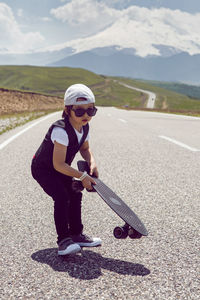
(51, 167)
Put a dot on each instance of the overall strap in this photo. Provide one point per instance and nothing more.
(73, 140)
(74, 145)
(85, 133)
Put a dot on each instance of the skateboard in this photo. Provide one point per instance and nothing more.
(133, 227)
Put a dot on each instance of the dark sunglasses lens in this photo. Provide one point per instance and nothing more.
(79, 112)
(92, 111)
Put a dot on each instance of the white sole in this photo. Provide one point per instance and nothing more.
(72, 249)
(93, 244)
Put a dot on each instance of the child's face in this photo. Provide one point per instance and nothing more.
(79, 113)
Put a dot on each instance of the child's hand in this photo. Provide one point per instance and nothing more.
(93, 170)
(87, 182)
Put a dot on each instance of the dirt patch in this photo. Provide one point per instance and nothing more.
(164, 105)
(15, 101)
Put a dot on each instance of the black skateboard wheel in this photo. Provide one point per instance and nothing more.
(120, 233)
(133, 234)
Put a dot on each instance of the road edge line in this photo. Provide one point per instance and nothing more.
(12, 138)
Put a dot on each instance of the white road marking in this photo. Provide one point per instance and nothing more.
(12, 138)
(122, 120)
(178, 143)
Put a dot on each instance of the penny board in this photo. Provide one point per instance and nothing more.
(115, 202)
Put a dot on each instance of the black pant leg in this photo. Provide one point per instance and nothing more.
(75, 222)
(58, 189)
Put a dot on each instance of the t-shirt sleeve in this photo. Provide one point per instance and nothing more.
(60, 136)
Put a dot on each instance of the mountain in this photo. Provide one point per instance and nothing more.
(180, 67)
(170, 65)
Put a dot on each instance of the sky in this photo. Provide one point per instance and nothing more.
(48, 25)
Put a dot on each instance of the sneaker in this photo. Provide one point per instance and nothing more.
(67, 246)
(85, 241)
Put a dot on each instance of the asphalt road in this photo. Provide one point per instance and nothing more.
(151, 96)
(157, 177)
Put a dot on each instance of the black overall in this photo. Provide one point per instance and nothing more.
(67, 203)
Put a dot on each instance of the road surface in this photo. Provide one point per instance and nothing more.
(151, 96)
(152, 161)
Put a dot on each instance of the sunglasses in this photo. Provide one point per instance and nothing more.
(91, 111)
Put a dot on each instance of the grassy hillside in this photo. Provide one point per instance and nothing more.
(44, 79)
(54, 81)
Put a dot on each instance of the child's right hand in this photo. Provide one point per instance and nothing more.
(87, 182)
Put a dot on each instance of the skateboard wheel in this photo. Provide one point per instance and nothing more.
(120, 233)
(133, 234)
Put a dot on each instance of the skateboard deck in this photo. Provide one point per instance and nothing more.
(133, 226)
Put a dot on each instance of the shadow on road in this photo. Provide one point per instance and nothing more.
(88, 264)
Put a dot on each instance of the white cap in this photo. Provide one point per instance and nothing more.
(78, 94)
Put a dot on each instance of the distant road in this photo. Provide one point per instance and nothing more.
(152, 96)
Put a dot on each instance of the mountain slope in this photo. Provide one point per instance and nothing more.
(180, 67)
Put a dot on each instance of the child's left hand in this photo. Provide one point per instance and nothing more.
(93, 170)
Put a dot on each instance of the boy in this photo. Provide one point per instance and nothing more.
(51, 167)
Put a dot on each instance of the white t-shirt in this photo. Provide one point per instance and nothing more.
(60, 136)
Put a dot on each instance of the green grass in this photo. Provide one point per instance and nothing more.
(45, 80)
(113, 94)
(191, 91)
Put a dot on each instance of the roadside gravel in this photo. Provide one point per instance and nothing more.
(8, 123)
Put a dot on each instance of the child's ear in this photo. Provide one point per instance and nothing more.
(65, 110)
(64, 114)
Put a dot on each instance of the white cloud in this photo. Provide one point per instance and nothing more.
(46, 19)
(135, 27)
(20, 12)
(11, 37)
(87, 15)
